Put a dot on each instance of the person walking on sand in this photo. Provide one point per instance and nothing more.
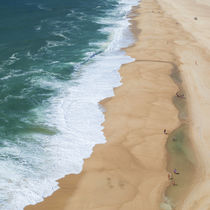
(165, 132)
(175, 171)
(170, 176)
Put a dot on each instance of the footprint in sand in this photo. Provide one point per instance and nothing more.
(109, 182)
(121, 184)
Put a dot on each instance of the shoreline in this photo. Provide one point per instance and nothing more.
(130, 169)
(74, 177)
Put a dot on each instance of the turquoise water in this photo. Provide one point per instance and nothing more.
(58, 59)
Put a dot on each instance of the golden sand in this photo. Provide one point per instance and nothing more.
(129, 171)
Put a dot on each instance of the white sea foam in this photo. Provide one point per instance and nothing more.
(38, 28)
(42, 7)
(61, 35)
(76, 114)
(12, 59)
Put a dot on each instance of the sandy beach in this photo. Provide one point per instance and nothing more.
(195, 58)
(130, 171)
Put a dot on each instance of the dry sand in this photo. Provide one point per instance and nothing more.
(129, 171)
(194, 55)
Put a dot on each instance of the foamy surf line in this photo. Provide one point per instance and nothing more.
(77, 116)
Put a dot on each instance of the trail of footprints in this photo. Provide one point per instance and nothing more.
(111, 184)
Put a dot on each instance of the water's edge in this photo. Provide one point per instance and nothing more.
(124, 60)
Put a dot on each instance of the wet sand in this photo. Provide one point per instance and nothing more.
(180, 151)
(130, 170)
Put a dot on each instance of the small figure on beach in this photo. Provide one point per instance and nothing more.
(195, 18)
(165, 132)
(180, 95)
(170, 177)
(196, 63)
(175, 171)
(173, 183)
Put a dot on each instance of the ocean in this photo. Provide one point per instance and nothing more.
(58, 59)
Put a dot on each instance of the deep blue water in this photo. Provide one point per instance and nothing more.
(42, 39)
(58, 58)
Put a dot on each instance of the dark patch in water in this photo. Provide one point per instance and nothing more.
(41, 130)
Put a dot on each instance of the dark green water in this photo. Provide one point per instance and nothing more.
(58, 59)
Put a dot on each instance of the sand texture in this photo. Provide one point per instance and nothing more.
(194, 53)
(130, 170)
